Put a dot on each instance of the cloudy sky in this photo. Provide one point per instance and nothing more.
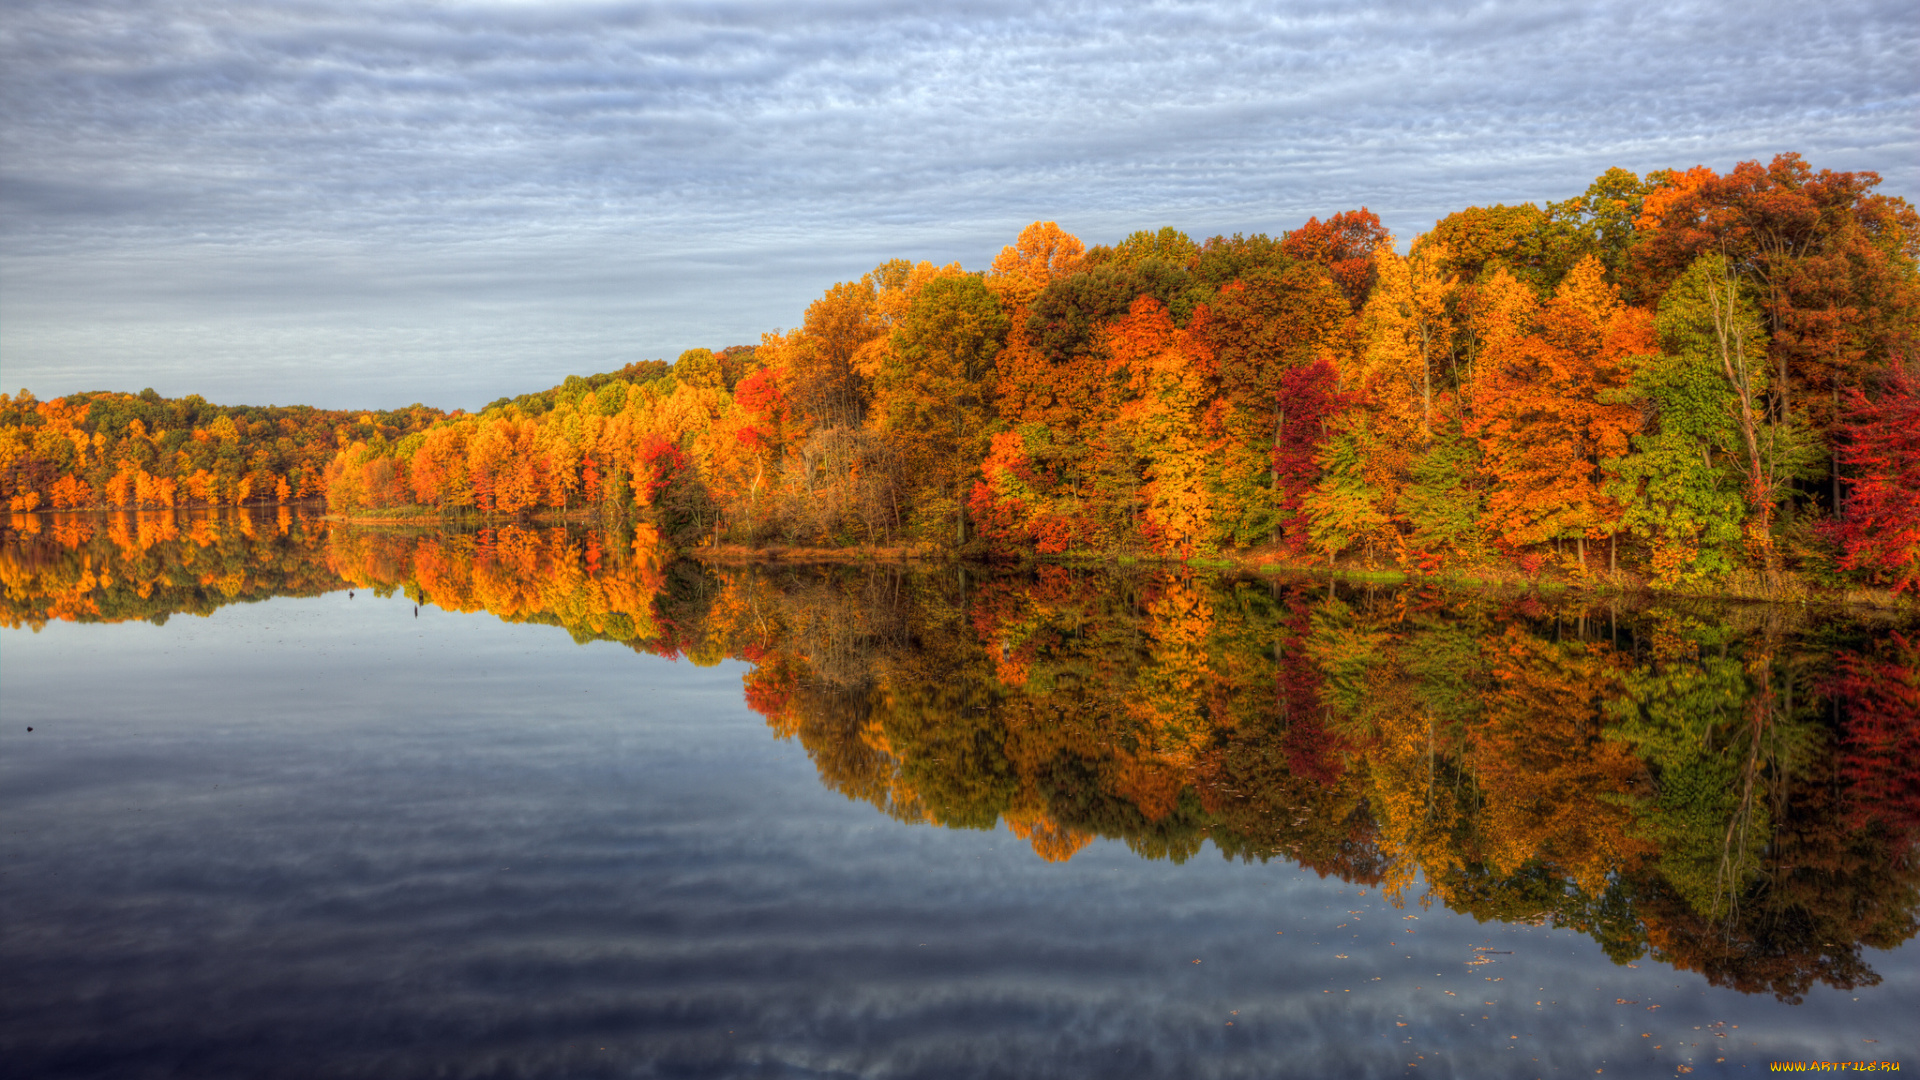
(359, 204)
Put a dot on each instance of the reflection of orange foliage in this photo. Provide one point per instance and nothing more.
(1051, 840)
(141, 565)
(518, 574)
(769, 687)
(1153, 786)
(1166, 707)
(1553, 790)
(1383, 740)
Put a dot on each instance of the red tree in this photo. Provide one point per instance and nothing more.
(1879, 532)
(1307, 400)
(1344, 244)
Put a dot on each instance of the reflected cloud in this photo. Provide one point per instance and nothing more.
(323, 831)
(1707, 786)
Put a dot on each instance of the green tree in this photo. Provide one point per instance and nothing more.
(1346, 505)
(1709, 319)
(1679, 489)
(935, 387)
(1443, 501)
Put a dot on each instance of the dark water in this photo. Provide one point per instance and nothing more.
(539, 803)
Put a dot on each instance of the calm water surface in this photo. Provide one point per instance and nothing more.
(533, 803)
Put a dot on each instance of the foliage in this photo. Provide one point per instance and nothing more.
(1879, 531)
(1706, 363)
(94, 450)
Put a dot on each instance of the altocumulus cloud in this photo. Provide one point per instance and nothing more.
(368, 204)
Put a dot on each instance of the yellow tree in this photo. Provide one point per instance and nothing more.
(934, 389)
(1021, 272)
(1408, 333)
(1167, 374)
(821, 362)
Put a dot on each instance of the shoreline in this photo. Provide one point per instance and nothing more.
(1256, 562)
(1259, 563)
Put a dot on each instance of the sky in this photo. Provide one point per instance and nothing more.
(364, 205)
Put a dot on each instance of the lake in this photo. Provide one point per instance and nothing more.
(305, 800)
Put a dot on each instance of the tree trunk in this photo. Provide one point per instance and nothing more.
(1273, 464)
(1426, 386)
(1835, 441)
(1733, 365)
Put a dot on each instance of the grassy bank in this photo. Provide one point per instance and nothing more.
(1487, 575)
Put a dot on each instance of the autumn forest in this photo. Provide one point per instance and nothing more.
(1689, 381)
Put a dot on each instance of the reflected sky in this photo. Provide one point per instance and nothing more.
(331, 836)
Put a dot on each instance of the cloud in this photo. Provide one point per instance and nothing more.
(607, 181)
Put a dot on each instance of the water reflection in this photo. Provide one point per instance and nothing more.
(1727, 790)
(147, 566)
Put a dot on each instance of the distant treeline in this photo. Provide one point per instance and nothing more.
(1687, 377)
(145, 451)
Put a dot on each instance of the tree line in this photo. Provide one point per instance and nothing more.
(142, 451)
(1691, 377)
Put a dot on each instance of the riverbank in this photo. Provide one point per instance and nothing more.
(1496, 577)
(1549, 578)
(472, 519)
